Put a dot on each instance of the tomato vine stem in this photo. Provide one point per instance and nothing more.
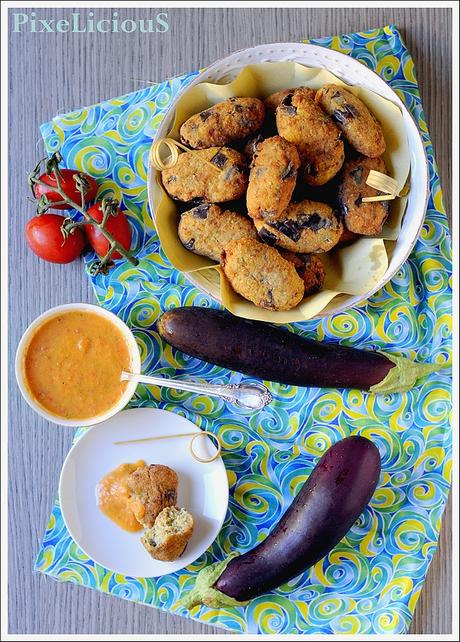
(109, 206)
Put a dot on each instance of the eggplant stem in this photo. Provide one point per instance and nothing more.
(403, 376)
(204, 592)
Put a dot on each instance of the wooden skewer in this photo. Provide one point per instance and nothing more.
(406, 189)
(382, 197)
(200, 459)
(383, 183)
(173, 147)
(136, 441)
(194, 436)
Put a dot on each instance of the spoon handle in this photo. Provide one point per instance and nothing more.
(253, 396)
(215, 390)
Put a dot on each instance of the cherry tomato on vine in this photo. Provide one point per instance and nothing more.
(68, 186)
(45, 238)
(118, 226)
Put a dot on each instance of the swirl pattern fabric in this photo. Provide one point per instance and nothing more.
(371, 581)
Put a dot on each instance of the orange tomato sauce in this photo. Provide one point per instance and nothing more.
(73, 364)
(113, 498)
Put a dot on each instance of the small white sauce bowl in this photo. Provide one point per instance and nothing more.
(24, 344)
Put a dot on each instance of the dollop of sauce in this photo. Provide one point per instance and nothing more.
(113, 497)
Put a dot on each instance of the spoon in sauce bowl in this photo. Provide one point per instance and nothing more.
(251, 396)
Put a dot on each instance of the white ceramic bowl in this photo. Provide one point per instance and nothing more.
(351, 72)
(24, 343)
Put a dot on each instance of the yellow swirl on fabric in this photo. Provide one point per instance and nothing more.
(414, 599)
(141, 169)
(438, 201)
(296, 483)
(385, 497)
(317, 444)
(114, 136)
(216, 616)
(110, 188)
(409, 70)
(90, 159)
(444, 324)
(51, 522)
(265, 613)
(388, 621)
(372, 34)
(237, 440)
(105, 584)
(343, 325)
(59, 133)
(398, 588)
(411, 526)
(431, 265)
(447, 471)
(340, 558)
(355, 399)
(330, 607)
(47, 558)
(426, 492)
(73, 118)
(232, 478)
(389, 62)
(247, 492)
(263, 462)
(303, 609)
(350, 624)
(337, 45)
(430, 547)
(203, 404)
(328, 408)
(156, 121)
(433, 457)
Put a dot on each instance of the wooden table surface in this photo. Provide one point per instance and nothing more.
(51, 73)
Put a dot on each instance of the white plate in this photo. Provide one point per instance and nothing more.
(203, 488)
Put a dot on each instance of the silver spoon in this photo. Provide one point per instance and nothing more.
(253, 396)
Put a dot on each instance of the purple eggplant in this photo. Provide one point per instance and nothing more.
(331, 500)
(274, 354)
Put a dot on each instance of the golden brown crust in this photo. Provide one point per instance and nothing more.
(152, 489)
(250, 147)
(347, 237)
(215, 175)
(272, 101)
(359, 217)
(306, 227)
(302, 122)
(166, 543)
(260, 274)
(230, 120)
(206, 229)
(313, 274)
(360, 127)
(310, 268)
(272, 178)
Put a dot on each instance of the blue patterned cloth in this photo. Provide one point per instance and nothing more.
(371, 581)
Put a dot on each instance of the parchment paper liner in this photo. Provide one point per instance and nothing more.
(352, 270)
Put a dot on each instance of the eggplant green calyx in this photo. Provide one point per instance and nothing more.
(204, 591)
(403, 376)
